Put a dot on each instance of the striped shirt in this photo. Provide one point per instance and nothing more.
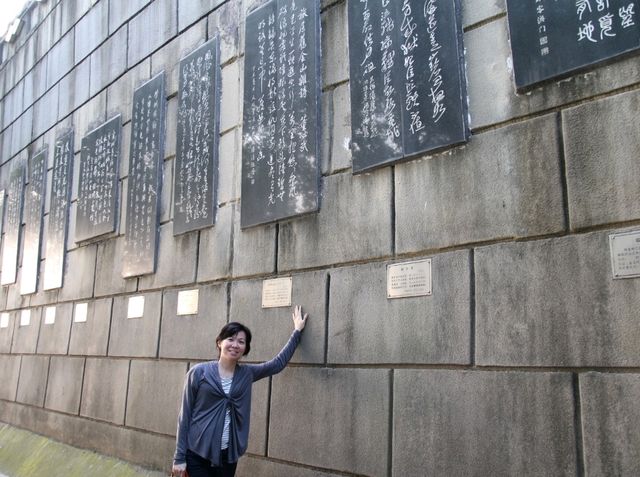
(226, 386)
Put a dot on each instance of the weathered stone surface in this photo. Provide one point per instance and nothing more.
(229, 164)
(79, 273)
(120, 95)
(6, 334)
(170, 136)
(445, 199)
(109, 279)
(335, 45)
(341, 131)
(60, 59)
(489, 68)
(601, 140)
(91, 338)
(155, 390)
(366, 327)
(74, 89)
(340, 232)
(610, 413)
(214, 257)
(311, 407)
(554, 303)
(9, 373)
(33, 380)
(64, 384)
(25, 338)
(259, 417)
(271, 327)
(189, 12)
(231, 98)
(156, 24)
(109, 61)
(251, 466)
(482, 423)
(168, 58)
(224, 22)
(104, 389)
(45, 112)
(121, 12)
(254, 249)
(166, 199)
(150, 450)
(135, 336)
(92, 29)
(54, 338)
(193, 336)
(90, 115)
(475, 11)
(176, 260)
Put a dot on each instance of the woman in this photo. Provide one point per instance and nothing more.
(213, 424)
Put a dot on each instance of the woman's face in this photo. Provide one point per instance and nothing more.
(233, 347)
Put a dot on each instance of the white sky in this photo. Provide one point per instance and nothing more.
(9, 10)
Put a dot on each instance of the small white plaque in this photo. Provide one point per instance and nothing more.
(25, 317)
(409, 279)
(625, 254)
(277, 292)
(4, 320)
(188, 302)
(80, 315)
(50, 315)
(135, 308)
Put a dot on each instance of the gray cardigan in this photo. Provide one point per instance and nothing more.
(204, 404)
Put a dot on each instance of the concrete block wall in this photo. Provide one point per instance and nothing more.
(525, 359)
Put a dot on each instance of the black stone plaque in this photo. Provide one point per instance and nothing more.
(33, 211)
(281, 126)
(145, 178)
(97, 206)
(59, 211)
(196, 170)
(552, 39)
(408, 91)
(12, 225)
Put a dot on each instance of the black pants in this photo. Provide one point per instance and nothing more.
(200, 467)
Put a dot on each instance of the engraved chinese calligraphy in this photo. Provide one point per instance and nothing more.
(12, 225)
(281, 112)
(196, 169)
(408, 91)
(145, 178)
(97, 206)
(552, 39)
(33, 210)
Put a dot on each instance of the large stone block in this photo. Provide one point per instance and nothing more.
(341, 130)
(354, 223)
(259, 417)
(610, 414)
(475, 11)
(166, 197)
(79, 273)
(189, 11)
(135, 336)
(109, 61)
(9, 373)
(120, 94)
(6, 334)
(504, 183)
(33, 380)
(177, 260)
(250, 466)
(64, 385)
(91, 30)
(229, 165)
(151, 28)
(601, 140)
(121, 12)
(451, 422)
(85, 118)
(554, 303)
(91, 337)
(193, 336)
(45, 112)
(337, 418)
(168, 58)
(271, 327)
(170, 136)
(25, 336)
(60, 59)
(104, 391)
(335, 45)
(254, 249)
(490, 67)
(54, 337)
(214, 257)
(155, 391)
(109, 279)
(231, 98)
(74, 89)
(367, 327)
(225, 22)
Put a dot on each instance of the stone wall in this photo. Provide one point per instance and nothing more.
(524, 361)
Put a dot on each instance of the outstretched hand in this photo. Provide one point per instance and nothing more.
(299, 320)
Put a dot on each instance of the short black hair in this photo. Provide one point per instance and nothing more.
(232, 329)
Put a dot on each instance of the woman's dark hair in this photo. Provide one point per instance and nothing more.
(232, 329)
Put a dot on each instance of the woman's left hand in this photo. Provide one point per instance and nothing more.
(299, 320)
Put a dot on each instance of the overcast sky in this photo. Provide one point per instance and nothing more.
(9, 10)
